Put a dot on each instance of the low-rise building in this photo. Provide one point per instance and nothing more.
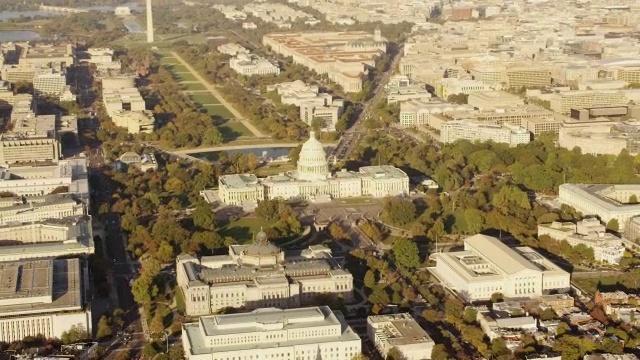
(260, 275)
(299, 333)
(491, 100)
(49, 83)
(557, 301)
(606, 201)
(42, 298)
(39, 208)
(121, 99)
(250, 64)
(452, 131)
(53, 237)
(590, 233)
(402, 332)
(135, 122)
(312, 180)
(144, 162)
(602, 139)
(67, 176)
(400, 88)
(563, 102)
(418, 112)
(488, 266)
(232, 49)
(448, 86)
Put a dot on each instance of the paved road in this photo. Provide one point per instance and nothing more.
(215, 93)
(353, 135)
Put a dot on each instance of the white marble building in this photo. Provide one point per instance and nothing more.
(312, 180)
(259, 275)
(488, 266)
(264, 334)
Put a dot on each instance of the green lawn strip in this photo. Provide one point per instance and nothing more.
(220, 111)
(203, 99)
(192, 86)
(243, 230)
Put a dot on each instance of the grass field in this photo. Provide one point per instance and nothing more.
(218, 110)
(243, 230)
(193, 86)
(183, 76)
(204, 99)
(231, 130)
(169, 60)
(175, 67)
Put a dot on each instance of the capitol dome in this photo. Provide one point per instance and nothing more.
(312, 162)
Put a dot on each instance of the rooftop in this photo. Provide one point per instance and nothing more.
(39, 286)
(399, 329)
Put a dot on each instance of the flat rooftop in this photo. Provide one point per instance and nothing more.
(239, 181)
(267, 319)
(31, 126)
(399, 329)
(39, 286)
(383, 171)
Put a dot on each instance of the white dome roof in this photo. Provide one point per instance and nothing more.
(312, 162)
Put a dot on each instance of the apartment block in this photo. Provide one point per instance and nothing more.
(344, 56)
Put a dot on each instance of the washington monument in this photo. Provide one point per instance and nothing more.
(149, 22)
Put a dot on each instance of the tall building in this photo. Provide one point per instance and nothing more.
(259, 275)
(487, 266)
(149, 22)
(313, 181)
(292, 334)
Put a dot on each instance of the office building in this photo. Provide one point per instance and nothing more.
(49, 83)
(32, 139)
(39, 208)
(250, 64)
(315, 108)
(343, 56)
(260, 275)
(452, 131)
(66, 176)
(402, 332)
(51, 237)
(313, 181)
(590, 233)
(528, 77)
(563, 102)
(601, 139)
(418, 112)
(491, 100)
(447, 87)
(487, 266)
(302, 333)
(124, 99)
(19, 73)
(57, 57)
(136, 122)
(400, 88)
(606, 201)
(41, 297)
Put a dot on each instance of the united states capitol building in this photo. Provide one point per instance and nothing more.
(260, 275)
(313, 181)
